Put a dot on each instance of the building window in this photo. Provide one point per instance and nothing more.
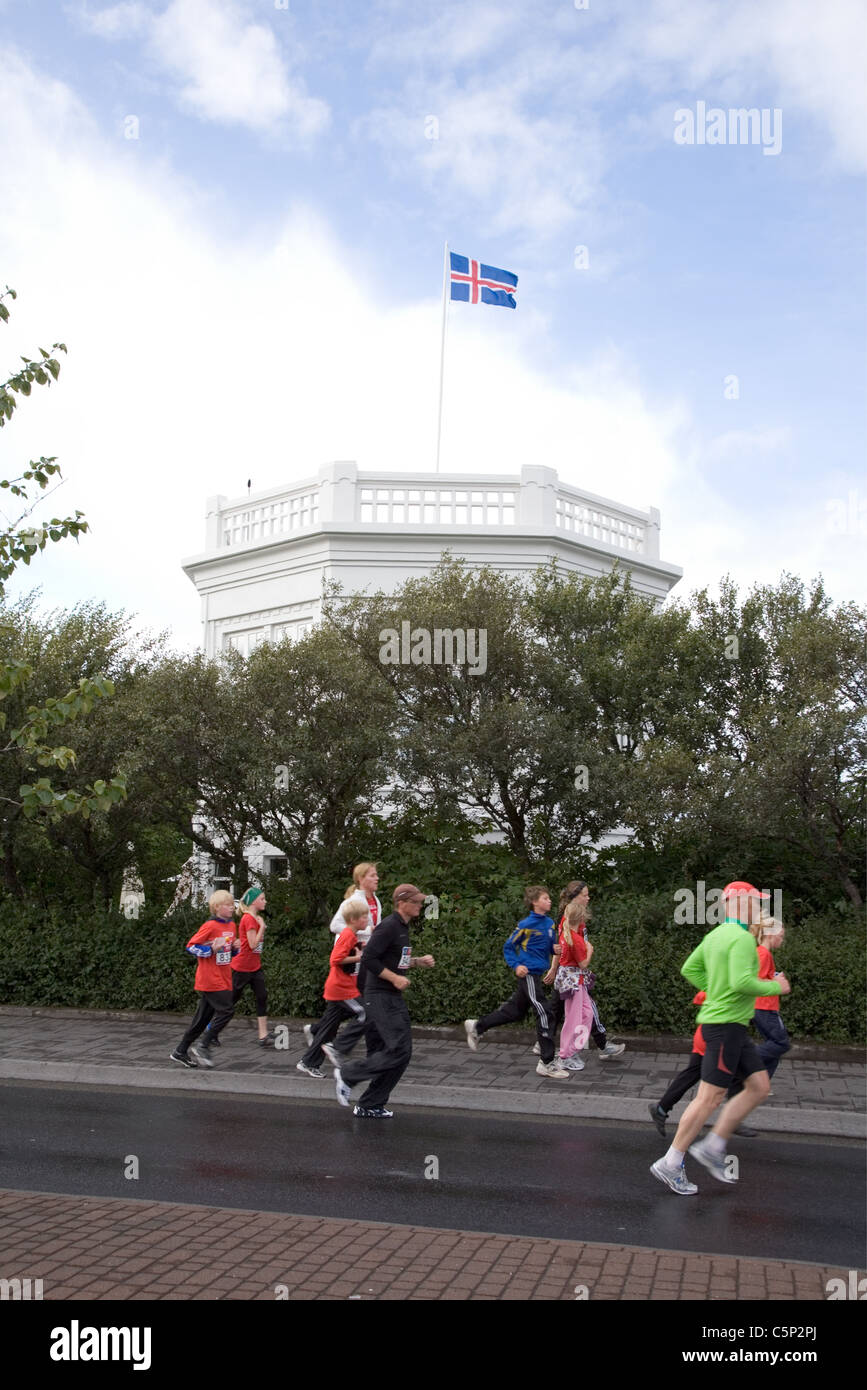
(275, 865)
(221, 875)
(244, 642)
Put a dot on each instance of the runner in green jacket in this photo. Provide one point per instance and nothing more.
(726, 965)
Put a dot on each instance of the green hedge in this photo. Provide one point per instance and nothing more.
(104, 961)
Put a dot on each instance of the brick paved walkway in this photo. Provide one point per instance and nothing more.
(93, 1248)
(821, 1096)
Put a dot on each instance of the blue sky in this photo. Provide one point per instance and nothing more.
(251, 285)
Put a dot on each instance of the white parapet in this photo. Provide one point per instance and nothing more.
(268, 554)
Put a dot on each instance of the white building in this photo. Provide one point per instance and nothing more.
(266, 555)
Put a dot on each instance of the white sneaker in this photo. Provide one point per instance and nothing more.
(612, 1049)
(537, 1051)
(307, 1030)
(713, 1160)
(553, 1070)
(343, 1091)
(675, 1178)
(571, 1063)
(472, 1035)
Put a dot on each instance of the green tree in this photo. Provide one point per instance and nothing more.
(19, 542)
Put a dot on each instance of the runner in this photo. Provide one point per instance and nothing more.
(528, 951)
(213, 946)
(725, 965)
(386, 957)
(247, 965)
(365, 880)
(577, 888)
(569, 977)
(770, 934)
(341, 995)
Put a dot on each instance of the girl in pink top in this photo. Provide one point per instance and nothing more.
(570, 981)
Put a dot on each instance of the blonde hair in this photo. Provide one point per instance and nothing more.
(351, 911)
(766, 926)
(221, 896)
(357, 875)
(575, 914)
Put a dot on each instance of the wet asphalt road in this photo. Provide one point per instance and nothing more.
(797, 1199)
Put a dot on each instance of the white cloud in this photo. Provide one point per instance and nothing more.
(228, 69)
(536, 100)
(117, 22)
(197, 360)
(810, 58)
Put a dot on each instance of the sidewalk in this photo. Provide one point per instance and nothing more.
(811, 1094)
(100, 1248)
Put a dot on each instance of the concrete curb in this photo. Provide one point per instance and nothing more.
(222, 1081)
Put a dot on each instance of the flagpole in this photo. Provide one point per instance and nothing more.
(442, 352)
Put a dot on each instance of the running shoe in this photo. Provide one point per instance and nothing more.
(267, 1040)
(343, 1091)
(214, 1039)
(746, 1132)
(310, 1071)
(714, 1162)
(571, 1063)
(184, 1058)
(307, 1030)
(658, 1116)
(675, 1178)
(612, 1049)
(377, 1112)
(537, 1051)
(202, 1054)
(332, 1054)
(472, 1035)
(553, 1070)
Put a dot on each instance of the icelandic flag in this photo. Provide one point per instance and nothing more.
(475, 283)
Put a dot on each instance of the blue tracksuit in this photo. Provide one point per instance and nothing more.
(531, 944)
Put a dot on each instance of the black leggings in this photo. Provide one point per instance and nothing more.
(325, 1031)
(256, 980)
(216, 1007)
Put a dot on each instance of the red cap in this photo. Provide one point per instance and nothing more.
(736, 890)
(405, 891)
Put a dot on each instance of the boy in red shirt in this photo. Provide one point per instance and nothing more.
(213, 945)
(341, 995)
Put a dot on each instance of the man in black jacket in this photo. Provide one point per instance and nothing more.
(385, 961)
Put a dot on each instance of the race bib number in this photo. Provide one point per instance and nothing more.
(405, 957)
(223, 957)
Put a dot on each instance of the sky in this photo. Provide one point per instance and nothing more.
(233, 213)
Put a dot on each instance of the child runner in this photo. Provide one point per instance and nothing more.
(247, 965)
(724, 964)
(341, 994)
(365, 880)
(769, 934)
(570, 983)
(213, 946)
(577, 888)
(387, 957)
(528, 952)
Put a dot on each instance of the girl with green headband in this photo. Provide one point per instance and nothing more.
(247, 965)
